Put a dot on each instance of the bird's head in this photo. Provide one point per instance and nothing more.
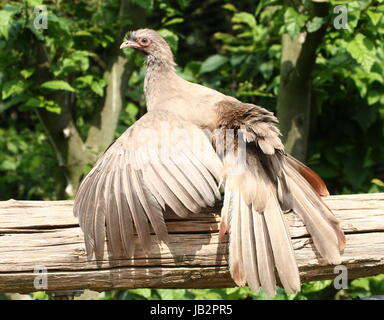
(151, 43)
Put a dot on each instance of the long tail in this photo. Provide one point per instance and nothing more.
(259, 238)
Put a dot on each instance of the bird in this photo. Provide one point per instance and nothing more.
(193, 143)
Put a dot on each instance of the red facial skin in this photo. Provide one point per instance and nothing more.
(138, 44)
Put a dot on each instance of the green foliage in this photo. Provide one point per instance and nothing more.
(213, 63)
(350, 66)
(38, 67)
(293, 22)
(40, 295)
(27, 166)
(6, 16)
(57, 85)
(236, 293)
(363, 287)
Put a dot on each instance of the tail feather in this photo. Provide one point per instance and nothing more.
(281, 246)
(318, 219)
(313, 179)
(235, 248)
(265, 260)
(249, 253)
(314, 198)
(255, 200)
(259, 237)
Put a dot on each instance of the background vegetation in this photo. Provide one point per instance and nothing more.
(67, 91)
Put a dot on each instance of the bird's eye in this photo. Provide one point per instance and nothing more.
(144, 41)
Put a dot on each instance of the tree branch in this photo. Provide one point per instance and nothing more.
(294, 101)
(194, 257)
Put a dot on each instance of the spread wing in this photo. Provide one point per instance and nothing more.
(162, 160)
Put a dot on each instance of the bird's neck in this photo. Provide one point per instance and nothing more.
(158, 77)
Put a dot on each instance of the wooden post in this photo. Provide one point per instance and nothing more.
(45, 234)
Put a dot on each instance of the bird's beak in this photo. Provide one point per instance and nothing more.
(129, 44)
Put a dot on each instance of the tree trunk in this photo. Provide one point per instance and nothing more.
(103, 127)
(60, 129)
(294, 101)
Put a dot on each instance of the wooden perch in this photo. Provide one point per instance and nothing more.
(44, 233)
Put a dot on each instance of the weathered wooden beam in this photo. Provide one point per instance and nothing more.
(44, 233)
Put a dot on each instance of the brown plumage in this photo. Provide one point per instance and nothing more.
(192, 139)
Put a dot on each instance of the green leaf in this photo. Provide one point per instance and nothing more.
(213, 63)
(165, 294)
(315, 286)
(83, 33)
(146, 4)
(229, 7)
(41, 102)
(8, 165)
(76, 61)
(174, 21)
(132, 110)
(61, 24)
(361, 84)
(373, 97)
(98, 88)
(361, 283)
(293, 21)
(146, 293)
(58, 85)
(34, 3)
(203, 294)
(171, 38)
(266, 68)
(363, 51)
(35, 102)
(236, 59)
(315, 24)
(183, 3)
(192, 68)
(246, 18)
(12, 147)
(378, 182)
(171, 294)
(88, 79)
(13, 87)
(13, 101)
(53, 107)
(26, 73)
(354, 14)
(232, 290)
(6, 15)
(374, 16)
(40, 295)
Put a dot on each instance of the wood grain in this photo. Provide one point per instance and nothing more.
(44, 233)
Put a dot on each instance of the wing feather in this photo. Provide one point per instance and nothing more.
(132, 184)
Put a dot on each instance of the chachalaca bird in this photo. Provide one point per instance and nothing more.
(178, 154)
